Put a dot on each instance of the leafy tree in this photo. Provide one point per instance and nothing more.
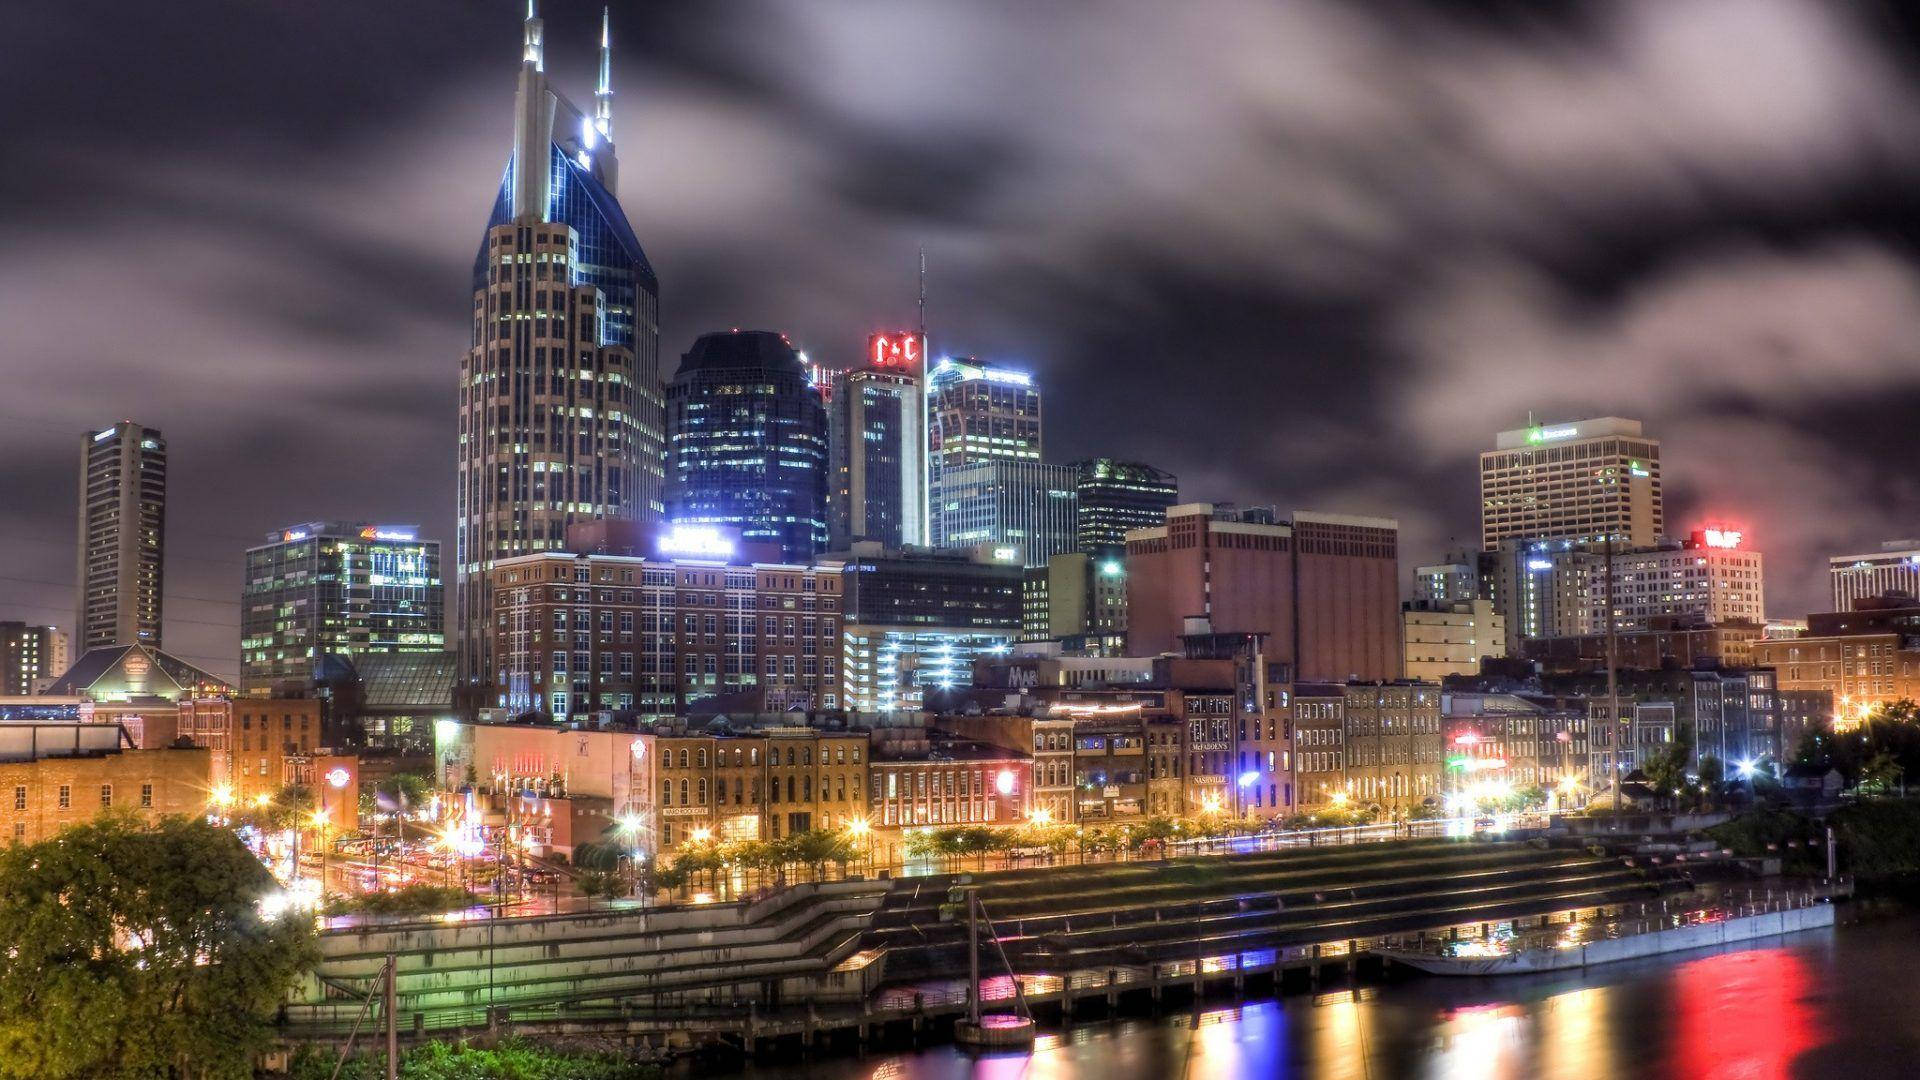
(130, 949)
(1666, 771)
(1881, 774)
(601, 884)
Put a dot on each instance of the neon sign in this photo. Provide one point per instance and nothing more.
(337, 778)
(385, 532)
(1720, 538)
(695, 540)
(898, 350)
(1549, 434)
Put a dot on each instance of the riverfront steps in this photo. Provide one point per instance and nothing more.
(859, 955)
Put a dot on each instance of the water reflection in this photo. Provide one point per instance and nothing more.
(1824, 1003)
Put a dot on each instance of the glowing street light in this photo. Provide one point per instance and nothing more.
(222, 796)
(1338, 798)
(263, 800)
(857, 827)
(701, 835)
(1041, 816)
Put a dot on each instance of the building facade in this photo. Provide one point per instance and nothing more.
(561, 416)
(1583, 481)
(352, 589)
(123, 526)
(1020, 505)
(54, 776)
(257, 744)
(1114, 497)
(1442, 639)
(1450, 582)
(1894, 568)
(748, 435)
(916, 620)
(654, 635)
(876, 432)
(976, 413)
(1323, 588)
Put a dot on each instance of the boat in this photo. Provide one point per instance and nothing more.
(1563, 946)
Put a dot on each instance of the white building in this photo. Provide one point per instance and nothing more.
(1583, 481)
(1449, 639)
(1895, 567)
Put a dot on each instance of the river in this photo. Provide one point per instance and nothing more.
(1840, 1002)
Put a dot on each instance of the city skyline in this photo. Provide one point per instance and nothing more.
(1750, 279)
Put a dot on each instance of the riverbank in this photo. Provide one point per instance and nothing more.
(1839, 1001)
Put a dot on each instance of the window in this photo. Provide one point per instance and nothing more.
(66, 796)
(106, 795)
(20, 798)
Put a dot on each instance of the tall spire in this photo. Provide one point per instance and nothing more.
(531, 50)
(603, 91)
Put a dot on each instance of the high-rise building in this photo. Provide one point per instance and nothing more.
(876, 422)
(1324, 588)
(1583, 482)
(560, 406)
(1894, 568)
(749, 442)
(976, 413)
(1554, 589)
(1017, 505)
(328, 587)
(30, 657)
(1116, 496)
(123, 525)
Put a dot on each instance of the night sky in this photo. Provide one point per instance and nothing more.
(1313, 253)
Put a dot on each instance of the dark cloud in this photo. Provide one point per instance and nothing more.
(1312, 253)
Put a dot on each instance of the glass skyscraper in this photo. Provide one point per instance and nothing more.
(331, 587)
(1115, 496)
(876, 434)
(749, 442)
(123, 527)
(975, 413)
(561, 417)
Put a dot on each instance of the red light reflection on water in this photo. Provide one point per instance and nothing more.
(1742, 1016)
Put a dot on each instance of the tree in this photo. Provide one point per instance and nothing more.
(1667, 771)
(602, 884)
(130, 949)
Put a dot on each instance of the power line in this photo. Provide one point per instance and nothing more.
(163, 596)
(231, 560)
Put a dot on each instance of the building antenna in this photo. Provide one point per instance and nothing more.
(923, 293)
(531, 49)
(603, 93)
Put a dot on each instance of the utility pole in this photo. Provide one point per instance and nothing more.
(973, 958)
(393, 1023)
(1615, 728)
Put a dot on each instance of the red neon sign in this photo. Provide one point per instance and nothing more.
(897, 350)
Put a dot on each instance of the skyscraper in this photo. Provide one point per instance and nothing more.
(560, 406)
(975, 413)
(332, 587)
(1581, 482)
(123, 524)
(1020, 505)
(1894, 568)
(1114, 496)
(876, 419)
(749, 442)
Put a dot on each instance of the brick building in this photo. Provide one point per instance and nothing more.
(56, 775)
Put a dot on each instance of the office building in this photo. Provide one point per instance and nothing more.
(1583, 481)
(1323, 588)
(656, 621)
(1559, 590)
(560, 407)
(1022, 506)
(976, 413)
(1451, 638)
(123, 526)
(1085, 601)
(30, 657)
(876, 431)
(1450, 582)
(353, 589)
(748, 437)
(917, 619)
(1894, 568)
(1114, 497)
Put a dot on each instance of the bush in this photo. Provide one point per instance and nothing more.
(410, 900)
(512, 1059)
